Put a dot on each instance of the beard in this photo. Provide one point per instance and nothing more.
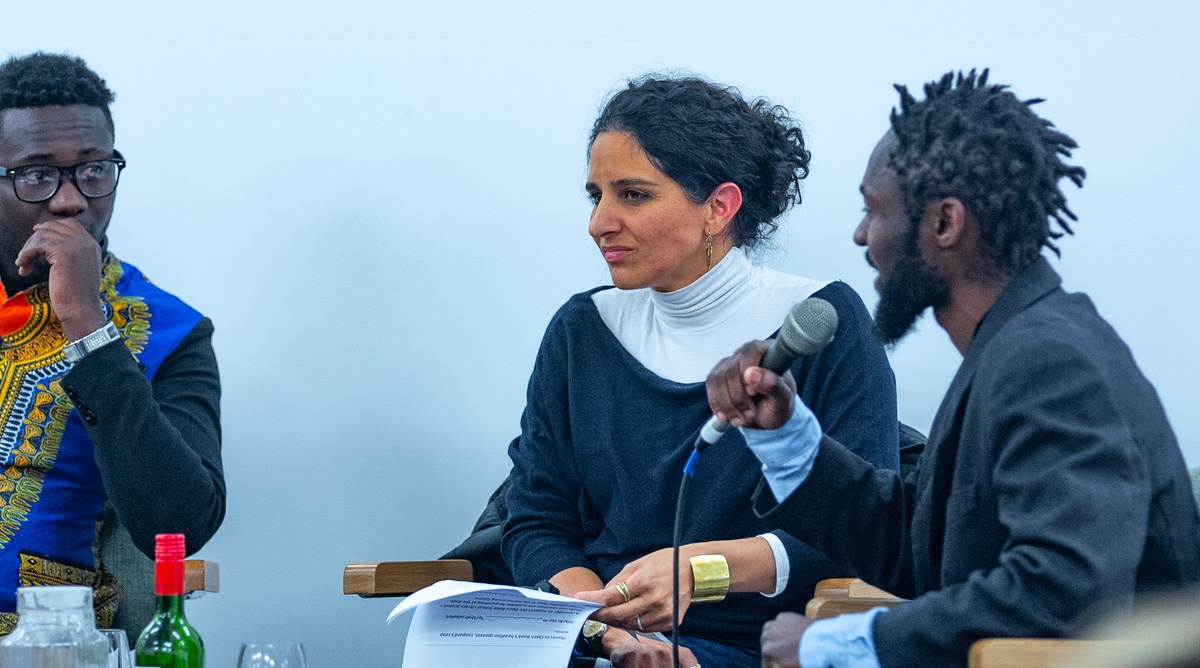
(912, 286)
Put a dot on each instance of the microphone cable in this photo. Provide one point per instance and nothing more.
(688, 469)
(810, 325)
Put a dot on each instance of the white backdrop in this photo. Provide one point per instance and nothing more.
(380, 205)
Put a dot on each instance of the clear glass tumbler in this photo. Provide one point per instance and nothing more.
(56, 628)
(271, 655)
(119, 655)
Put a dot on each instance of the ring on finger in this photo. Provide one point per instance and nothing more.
(623, 590)
(639, 623)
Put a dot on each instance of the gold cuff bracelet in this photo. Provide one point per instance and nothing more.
(710, 578)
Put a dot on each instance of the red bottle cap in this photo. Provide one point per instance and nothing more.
(169, 547)
(168, 564)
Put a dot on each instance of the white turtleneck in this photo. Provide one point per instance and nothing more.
(681, 335)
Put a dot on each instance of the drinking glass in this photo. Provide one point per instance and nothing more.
(118, 648)
(57, 628)
(272, 655)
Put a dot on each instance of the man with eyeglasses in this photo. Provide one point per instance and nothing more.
(110, 393)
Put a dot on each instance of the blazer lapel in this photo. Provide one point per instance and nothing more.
(935, 479)
(936, 474)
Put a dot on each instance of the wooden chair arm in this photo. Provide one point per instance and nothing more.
(401, 578)
(833, 587)
(860, 589)
(838, 596)
(850, 588)
(201, 575)
(1038, 652)
(823, 608)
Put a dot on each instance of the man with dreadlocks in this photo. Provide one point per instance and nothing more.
(109, 393)
(1051, 481)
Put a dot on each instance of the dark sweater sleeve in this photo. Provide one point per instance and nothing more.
(850, 388)
(543, 532)
(157, 444)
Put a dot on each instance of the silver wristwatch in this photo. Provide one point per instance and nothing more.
(75, 350)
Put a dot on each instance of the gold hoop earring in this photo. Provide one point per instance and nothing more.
(708, 254)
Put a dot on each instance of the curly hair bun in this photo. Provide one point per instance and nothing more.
(702, 135)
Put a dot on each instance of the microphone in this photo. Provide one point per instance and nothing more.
(810, 326)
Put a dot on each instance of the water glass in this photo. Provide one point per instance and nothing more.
(272, 655)
(56, 629)
(118, 648)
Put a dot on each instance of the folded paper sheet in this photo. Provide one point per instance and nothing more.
(470, 624)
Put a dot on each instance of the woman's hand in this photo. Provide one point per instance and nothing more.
(628, 651)
(647, 581)
(648, 584)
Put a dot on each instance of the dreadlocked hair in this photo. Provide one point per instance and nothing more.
(49, 79)
(981, 144)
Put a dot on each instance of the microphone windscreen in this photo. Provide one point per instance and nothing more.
(810, 325)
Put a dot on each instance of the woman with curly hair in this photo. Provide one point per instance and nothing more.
(684, 177)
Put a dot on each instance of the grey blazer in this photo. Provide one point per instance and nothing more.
(1051, 483)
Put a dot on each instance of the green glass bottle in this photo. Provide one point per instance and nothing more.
(169, 640)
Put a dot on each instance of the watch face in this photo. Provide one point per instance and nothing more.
(76, 350)
(593, 629)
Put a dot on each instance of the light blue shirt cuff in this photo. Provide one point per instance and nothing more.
(844, 641)
(786, 453)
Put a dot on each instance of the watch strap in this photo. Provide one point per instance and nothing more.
(76, 350)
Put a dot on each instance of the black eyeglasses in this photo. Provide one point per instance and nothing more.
(94, 179)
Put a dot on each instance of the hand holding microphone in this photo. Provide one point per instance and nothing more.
(752, 388)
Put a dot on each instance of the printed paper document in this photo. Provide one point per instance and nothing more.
(459, 624)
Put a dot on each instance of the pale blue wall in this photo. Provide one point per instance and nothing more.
(380, 206)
